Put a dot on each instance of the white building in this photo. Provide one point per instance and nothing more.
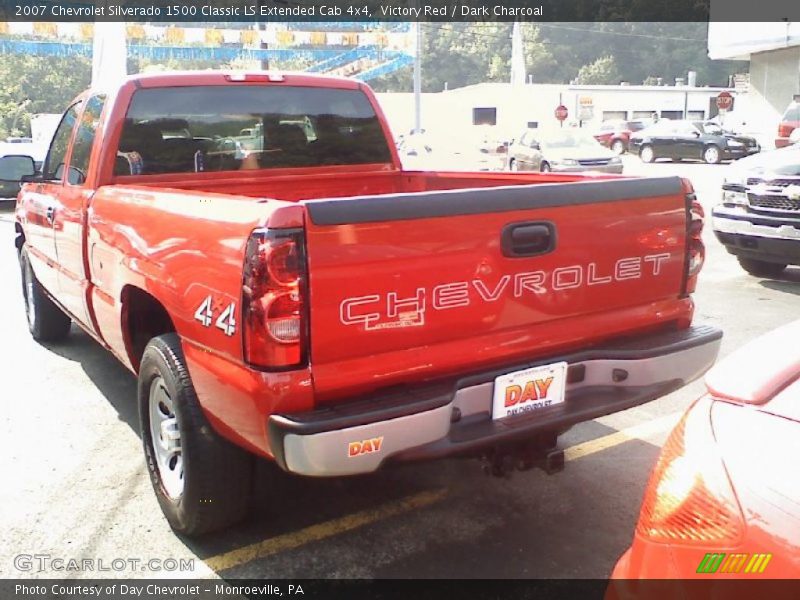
(773, 50)
(509, 109)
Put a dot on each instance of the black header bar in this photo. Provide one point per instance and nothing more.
(368, 11)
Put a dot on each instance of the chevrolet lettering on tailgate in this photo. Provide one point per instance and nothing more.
(410, 310)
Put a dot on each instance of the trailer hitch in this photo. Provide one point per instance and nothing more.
(543, 453)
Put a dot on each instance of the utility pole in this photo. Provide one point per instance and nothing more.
(418, 79)
(260, 27)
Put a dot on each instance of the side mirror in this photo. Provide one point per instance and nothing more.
(17, 168)
(696, 134)
(536, 146)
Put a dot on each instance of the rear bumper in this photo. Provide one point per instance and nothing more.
(454, 417)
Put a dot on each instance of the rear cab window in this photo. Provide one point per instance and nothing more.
(223, 128)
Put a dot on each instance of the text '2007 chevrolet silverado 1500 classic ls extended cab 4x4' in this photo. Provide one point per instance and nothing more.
(250, 246)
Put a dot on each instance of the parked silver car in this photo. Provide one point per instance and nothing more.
(562, 150)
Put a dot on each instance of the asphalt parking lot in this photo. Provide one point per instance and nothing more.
(74, 483)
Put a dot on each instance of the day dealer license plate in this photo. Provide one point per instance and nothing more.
(529, 390)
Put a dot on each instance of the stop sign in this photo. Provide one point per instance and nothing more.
(724, 101)
(561, 112)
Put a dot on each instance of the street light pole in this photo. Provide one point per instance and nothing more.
(418, 80)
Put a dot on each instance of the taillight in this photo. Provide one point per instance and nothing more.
(274, 299)
(695, 249)
(785, 129)
(689, 498)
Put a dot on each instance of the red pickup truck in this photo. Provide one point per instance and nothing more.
(250, 246)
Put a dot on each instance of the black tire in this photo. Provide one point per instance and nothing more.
(618, 147)
(712, 155)
(46, 321)
(513, 165)
(760, 268)
(544, 167)
(216, 475)
(647, 154)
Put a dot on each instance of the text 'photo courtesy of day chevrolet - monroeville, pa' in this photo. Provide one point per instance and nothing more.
(399, 299)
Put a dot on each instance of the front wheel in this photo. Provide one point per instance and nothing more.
(712, 155)
(513, 165)
(647, 154)
(46, 321)
(760, 268)
(618, 147)
(201, 481)
(544, 167)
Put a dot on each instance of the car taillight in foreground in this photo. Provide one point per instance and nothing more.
(785, 129)
(273, 299)
(695, 249)
(689, 499)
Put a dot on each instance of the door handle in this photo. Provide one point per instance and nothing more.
(528, 239)
(50, 214)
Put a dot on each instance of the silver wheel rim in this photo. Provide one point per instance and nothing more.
(29, 296)
(647, 155)
(712, 155)
(165, 435)
(617, 147)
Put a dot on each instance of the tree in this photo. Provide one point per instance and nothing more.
(37, 84)
(603, 71)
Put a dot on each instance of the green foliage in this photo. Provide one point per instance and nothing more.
(36, 84)
(466, 53)
(603, 71)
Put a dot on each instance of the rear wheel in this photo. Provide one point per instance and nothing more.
(712, 155)
(544, 167)
(513, 165)
(760, 268)
(647, 154)
(46, 321)
(618, 147)
(202, 481)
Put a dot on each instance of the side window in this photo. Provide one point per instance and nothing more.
(524, 139)
(56, 155)
(84, 140)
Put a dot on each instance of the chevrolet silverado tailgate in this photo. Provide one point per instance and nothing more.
(428, 284)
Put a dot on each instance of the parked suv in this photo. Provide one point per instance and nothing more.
(758, 220)
(616, 134)
(789, 122)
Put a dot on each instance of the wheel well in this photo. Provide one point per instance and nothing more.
(143, 318)
(19, 240)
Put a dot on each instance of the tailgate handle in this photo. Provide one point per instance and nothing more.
(528, 239)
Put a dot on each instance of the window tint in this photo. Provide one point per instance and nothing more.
(84, 140)
(218, 128)
(54, 163)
